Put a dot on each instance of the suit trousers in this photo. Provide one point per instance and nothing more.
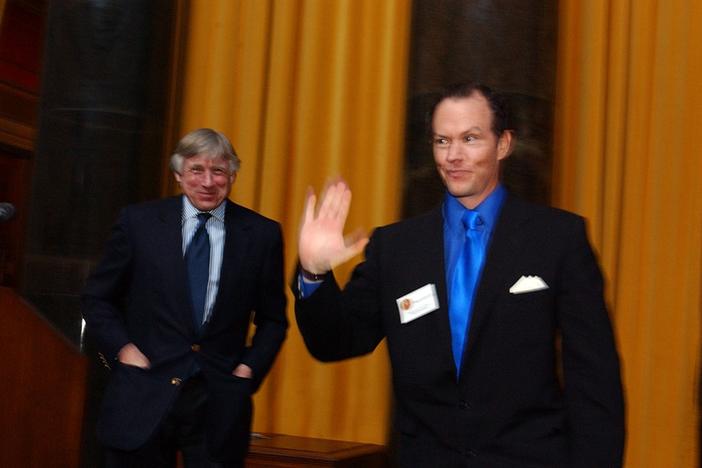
(182, 429)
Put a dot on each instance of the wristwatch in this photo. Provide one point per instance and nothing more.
(309, 276)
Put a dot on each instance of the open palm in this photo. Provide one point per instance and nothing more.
(322, 244)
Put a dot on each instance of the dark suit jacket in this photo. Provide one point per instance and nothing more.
(139, 293)
(508, 408)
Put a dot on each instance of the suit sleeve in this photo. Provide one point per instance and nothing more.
(593, 390)
(103, 295)
(269, 318)
(338, 324)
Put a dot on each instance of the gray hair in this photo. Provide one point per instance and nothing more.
(205, 142)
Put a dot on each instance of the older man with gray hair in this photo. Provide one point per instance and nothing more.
(169, 306)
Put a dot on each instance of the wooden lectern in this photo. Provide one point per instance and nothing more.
(44, 385)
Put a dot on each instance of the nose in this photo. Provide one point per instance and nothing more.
(207, 179)
(453, 152)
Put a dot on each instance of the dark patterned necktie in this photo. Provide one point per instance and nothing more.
(197, 259)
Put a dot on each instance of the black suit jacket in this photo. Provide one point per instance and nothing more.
(508, 408)
(139, 293)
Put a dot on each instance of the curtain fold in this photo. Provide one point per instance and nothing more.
(307, 90)
(629, 112)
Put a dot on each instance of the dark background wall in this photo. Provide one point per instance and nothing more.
(509, 45)
(100, 139)
(21, 48)
(107, 72)
(94, 142)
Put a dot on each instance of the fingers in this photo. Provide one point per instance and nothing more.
(344, 204)
(243, 371)
(329, 201)
(336, 203)
(132, 356)
(310, 202)
(321, 243)
(325, 198)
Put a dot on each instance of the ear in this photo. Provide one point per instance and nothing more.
(177, 176)
(232, 177)
(504, 144)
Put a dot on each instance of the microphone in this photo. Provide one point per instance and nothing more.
(7, 211)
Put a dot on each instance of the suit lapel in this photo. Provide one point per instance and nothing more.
(236, 241)
(433, 257)
(505, 245)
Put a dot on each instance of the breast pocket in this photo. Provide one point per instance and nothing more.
(526, 316)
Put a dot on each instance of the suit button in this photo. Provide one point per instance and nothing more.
(471, 453)
(195, 348)
(464, 405)
(176, 381)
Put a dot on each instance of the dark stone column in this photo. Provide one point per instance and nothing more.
(509, 45)
(100, 141)
(100, 146)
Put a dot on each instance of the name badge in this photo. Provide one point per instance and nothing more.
(417, 303)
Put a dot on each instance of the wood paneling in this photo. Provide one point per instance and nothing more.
(21, 43)
(41, 410)
(14, 188)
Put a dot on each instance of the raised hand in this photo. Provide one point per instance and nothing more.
(322, 244)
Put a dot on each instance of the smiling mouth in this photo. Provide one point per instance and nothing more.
(457, 172)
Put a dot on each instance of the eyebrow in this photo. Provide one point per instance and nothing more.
(463, 132)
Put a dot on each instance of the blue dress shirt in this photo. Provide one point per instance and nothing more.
(454, 242)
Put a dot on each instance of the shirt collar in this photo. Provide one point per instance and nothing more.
(189, 211)
(489, 209)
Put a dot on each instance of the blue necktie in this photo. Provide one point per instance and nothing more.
(463, 283)
(197, 259)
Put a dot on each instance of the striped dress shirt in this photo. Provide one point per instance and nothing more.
(215, 230)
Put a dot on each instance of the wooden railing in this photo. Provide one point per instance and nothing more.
(43, 382)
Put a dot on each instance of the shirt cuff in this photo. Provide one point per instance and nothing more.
(306, 287)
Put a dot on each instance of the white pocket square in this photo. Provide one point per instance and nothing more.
(527, 284)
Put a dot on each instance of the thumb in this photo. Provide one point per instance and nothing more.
(355, 242)
(351, 249)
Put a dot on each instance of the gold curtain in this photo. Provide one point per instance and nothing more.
(307, 90)
(629, 112)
